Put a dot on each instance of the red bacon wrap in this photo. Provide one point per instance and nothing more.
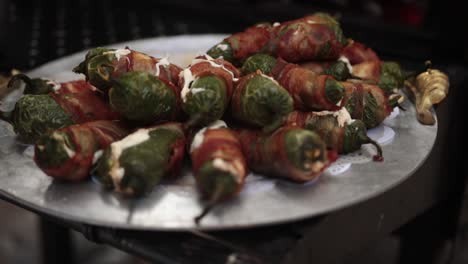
(250, 41)
(304, 39)
(137, 61)
(221, 143)
(305, 86)
(205, 68)
(271, 158)
(82, 101)
(365, 62)
(87, 139)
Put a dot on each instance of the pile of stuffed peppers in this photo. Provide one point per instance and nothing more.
(280, 99)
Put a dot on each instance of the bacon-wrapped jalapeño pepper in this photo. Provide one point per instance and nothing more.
(218, 163)
(358, 61)
(101, 65)
(67, 153)
(337, 129)
(207, 89)
(68, 103)
(260, 101)
(309, 90)
(290, 152)
(368, 102)
(144, 98)
(135, 164)
(317, 36)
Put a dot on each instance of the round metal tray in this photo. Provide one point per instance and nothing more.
(173, 205)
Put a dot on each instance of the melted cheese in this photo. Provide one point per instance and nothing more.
(276, 24)
(55, 86)
(225, 166)
(199, 136)
(271, 78)
(197, 90)
(97, 155)
(59, 138)
(138, 137)
(222, 47)
(164, 62)
(188, 79)
(348, 64)
(342, 116)
(118, 53)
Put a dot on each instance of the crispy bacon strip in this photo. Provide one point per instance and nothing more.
(82, 102)
(308, 89)
(79, 142)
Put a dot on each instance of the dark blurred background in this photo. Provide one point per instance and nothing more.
(35, 32)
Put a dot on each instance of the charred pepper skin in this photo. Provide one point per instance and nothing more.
(72, 103)
(67, 154)
(102, 65)
(144, 98)
(290, 152)
(260, 101)
(295, 40)
(141, 167)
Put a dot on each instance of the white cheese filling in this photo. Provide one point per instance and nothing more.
(348, 64)
(60, 138)
(118, 53)
(97, 155)
(222, 47)
(271, 78)
(55, 85)
(224, 166)
(138, 137)
(164, 62)
(199, 136)
(342, 116)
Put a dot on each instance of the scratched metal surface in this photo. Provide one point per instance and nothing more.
(173, 205)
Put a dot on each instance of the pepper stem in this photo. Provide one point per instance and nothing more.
(411, 74)
(6, 116)
(379, 156)
(20, 77)
(394, 101)
(218, 192)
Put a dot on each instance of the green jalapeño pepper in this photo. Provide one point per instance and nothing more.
(260, 101)
(67, 103)
(138, 162)
(144, 98)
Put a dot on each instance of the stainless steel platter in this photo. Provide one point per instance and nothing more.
(173, 205)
